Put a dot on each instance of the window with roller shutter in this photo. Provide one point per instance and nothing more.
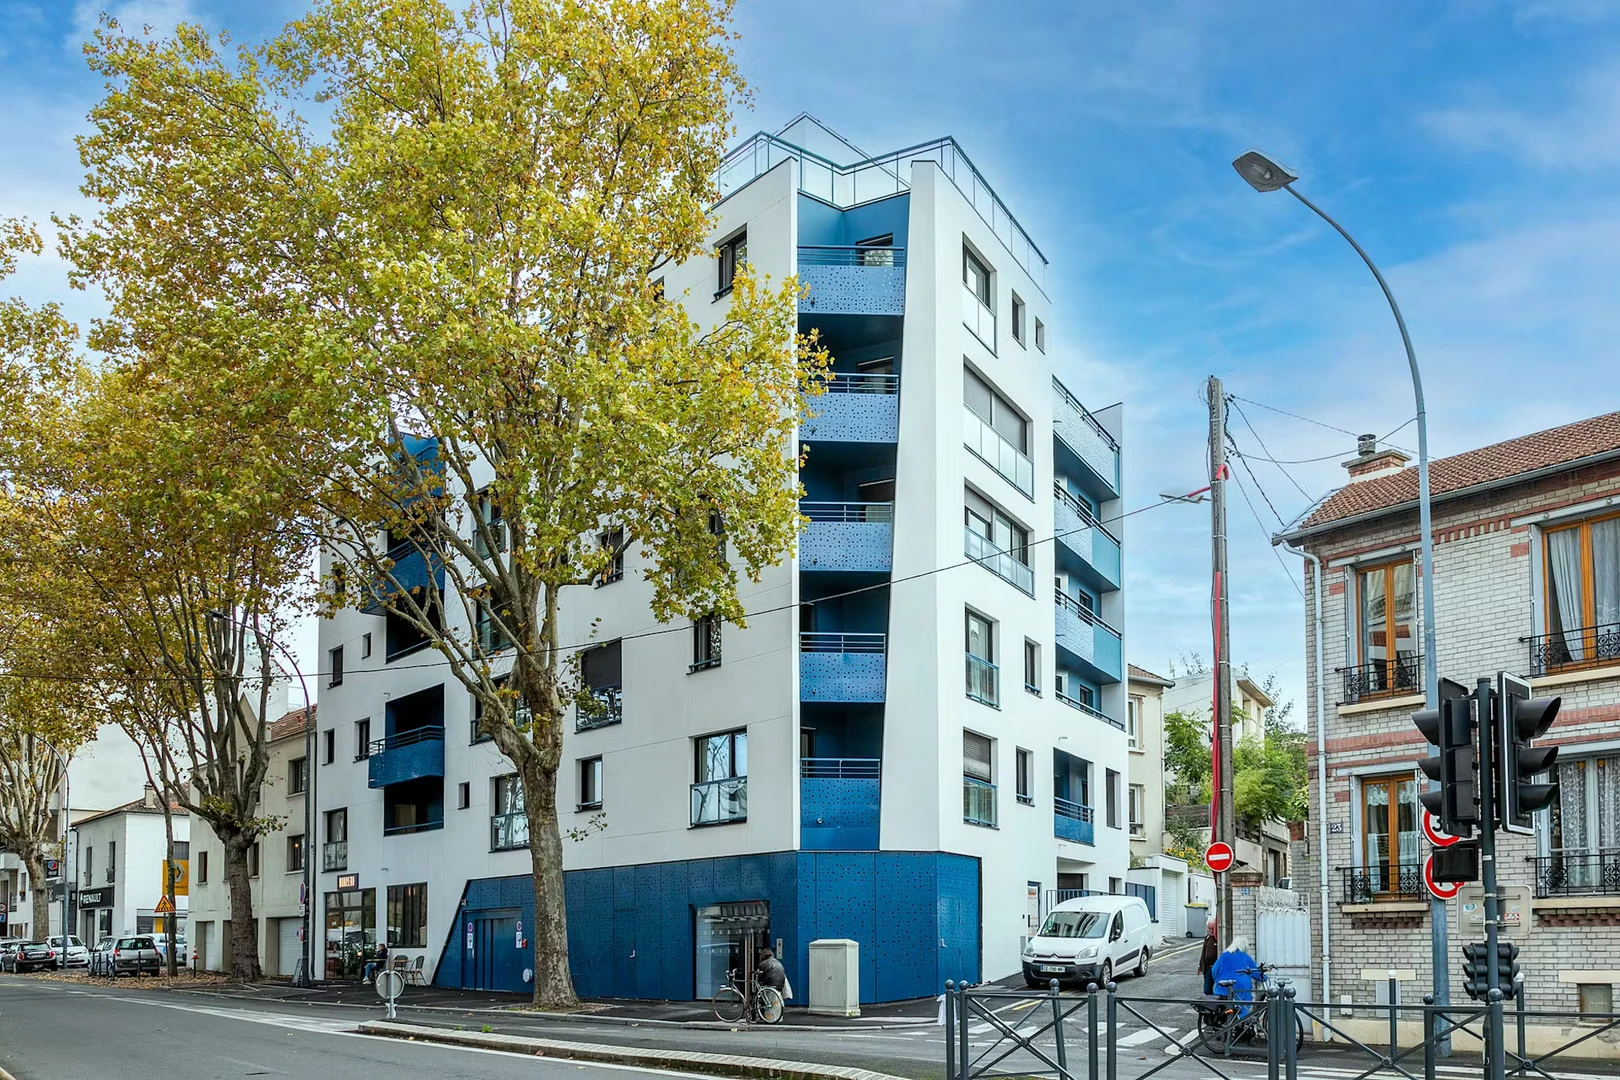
(602, 671)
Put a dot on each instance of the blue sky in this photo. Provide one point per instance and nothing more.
(1473, 147)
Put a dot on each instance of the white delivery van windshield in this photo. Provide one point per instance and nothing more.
(1075, 924)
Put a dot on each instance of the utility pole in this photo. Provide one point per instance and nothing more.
(1223, 816)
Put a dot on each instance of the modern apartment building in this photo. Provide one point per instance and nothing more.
(918, 739)
(1526, 580)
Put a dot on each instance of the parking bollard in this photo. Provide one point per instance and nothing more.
(1057, 1030)
(1113, 1032)
(1428, 1035)
(1290, 1044)
(1091, 1028)
(950, 1030)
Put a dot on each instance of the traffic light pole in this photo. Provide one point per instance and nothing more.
(1494, 1063)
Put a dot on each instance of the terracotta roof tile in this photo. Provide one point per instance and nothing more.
(292, 724)
(1144, 673)
(1499, 461)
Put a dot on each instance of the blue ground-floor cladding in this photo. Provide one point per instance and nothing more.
(632, 929)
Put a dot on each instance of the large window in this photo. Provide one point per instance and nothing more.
(982, 684)
(1583, 829)
(1583, 594)
(407, 916)
(297, 775)
(1388, 660)
(720, 787)
(978, 779)
(335, 852)
(508, 821)
(1391, 846)
(976, 276)
(995, 410)
(603, 672)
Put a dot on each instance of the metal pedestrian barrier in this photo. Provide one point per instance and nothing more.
(992, 1032)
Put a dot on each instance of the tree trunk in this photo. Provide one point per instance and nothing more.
(41, 893)
(244, 941)
(553, 982)
(171, 921)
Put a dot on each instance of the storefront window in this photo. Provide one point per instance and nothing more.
(351, 933)
(729, 937)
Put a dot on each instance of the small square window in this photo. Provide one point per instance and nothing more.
(733, 254)
(336, 667)
(365, 646)
(295, 853)
(252, 860)
(1020, 316)
(1026, 776)
(362, 739)
(590, 784)
(463, 795)
(1032, 667)
(706, 642)
(1040, 335)
(329, 751)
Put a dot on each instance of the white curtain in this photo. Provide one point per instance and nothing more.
(1608, 803)
(1606, 571)
(1564, 559)
(1573, 832)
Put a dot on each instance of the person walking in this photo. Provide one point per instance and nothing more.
(1206, 959)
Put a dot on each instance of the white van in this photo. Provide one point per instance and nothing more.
(1090, 939)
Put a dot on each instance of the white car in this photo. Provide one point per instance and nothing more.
(77, 955)
(1090, 939)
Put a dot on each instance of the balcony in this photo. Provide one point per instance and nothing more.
(978, 802)
(1577, 873)
(855, 409)
(840, 803)
(1087, 642)
(1090, 710)
(1380, 884)
(989, 446)
(848, 536)
(410, 573)
(853, 280)
(847, 668)
(979, 318)
(1072, 822)
(1085, 547)
(1572, 650)
(1383, 678)
(335, 855)
(409, 755)
(720, 802)
(508, 832)
(1087, 443)
(605, 708)
(1004, 564)
(983, 681)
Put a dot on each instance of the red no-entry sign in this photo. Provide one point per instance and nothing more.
(1440, 890)
(1218, 857)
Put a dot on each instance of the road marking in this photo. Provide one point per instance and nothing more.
(864, 1035)
(1146, 1035)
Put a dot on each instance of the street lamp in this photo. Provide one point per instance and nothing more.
(1264, 174)
(304, 976)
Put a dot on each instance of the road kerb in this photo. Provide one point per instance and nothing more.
(680, 1061)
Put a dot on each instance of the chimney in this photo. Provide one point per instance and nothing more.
(1371, 461)
(149, 798)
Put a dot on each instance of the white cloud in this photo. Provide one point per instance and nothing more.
(1582, 134)
(161, 15)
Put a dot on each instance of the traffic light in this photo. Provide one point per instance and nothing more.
(1451, 729)
(1524, 718)
(1476, 969)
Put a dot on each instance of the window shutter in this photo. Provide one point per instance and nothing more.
(977, 395)
(975, 756)
(604, 666)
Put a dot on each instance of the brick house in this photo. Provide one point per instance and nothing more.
(1527, 580)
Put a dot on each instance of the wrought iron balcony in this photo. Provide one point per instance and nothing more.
(1571, 650)
(508, 831)
(720, 802)
(1577, 873)
(1394, 677)
(1004, 564)
(978, 802)
(1071, 821)
(1376, 884)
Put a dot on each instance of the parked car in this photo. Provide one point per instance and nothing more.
(1089, 939)
(162, 943)
(8, 952)
(77, 954)
(101, 957)
(136, 954)
(33, 956)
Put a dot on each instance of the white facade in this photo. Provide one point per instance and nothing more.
(117, 861)
(866, 763)
(1145, 735)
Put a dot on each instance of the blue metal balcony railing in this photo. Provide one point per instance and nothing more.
(842, 667)
(1079, 430)
(844, 186)
(880, 513)
(1072, 821)
(720, 802)
(840, 803)
(508, 832)
(851, 255)
(853, 280)
(983, 681)
(979, 318)
(408, 755)
(848, 536)
(991, 447)
(1079, 531)
(1089, 710)
(978, 802)
(1003, 564)
(855, 408)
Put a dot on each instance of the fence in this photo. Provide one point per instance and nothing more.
(992, 1032)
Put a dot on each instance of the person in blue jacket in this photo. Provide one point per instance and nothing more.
(1234, 964)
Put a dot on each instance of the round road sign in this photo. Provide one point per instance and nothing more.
(1218, 857)
(1440, 890)
(1437, 836)
(390, 984)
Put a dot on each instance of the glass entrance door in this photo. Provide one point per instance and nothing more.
(728, 938)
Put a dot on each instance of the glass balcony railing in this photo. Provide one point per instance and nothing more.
(978, 802)
(720, 802)
(508, 831)
(983, 681)
(1003, 564)
(990, 446)
(977, 317)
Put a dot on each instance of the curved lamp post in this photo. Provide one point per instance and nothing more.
(1264, 175)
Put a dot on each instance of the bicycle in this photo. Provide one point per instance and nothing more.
(730, 1005)
(1224, 1022)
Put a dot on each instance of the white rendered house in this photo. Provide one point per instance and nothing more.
(918, 740)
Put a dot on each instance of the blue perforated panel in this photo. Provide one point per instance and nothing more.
(838, 813)
(863, 418)
(847, 545)
(845, 677)
(853, 290)
(905, 950)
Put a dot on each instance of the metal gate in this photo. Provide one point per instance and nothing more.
(288, 948)
(1283, 937)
